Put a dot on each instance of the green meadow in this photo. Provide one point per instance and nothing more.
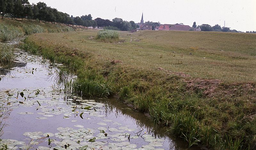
(199, 84)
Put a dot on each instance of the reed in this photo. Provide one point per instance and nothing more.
(6, 54)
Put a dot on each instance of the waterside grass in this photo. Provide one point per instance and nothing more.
(201, 85)
(6, 54)
(11, 29)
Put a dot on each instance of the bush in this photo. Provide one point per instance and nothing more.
(107, 35)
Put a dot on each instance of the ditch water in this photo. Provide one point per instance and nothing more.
(36, 112)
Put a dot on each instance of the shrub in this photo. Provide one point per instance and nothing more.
(107, 35)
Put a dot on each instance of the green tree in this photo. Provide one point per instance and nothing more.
(226, 29)
(194, 25)
(3, 7)
(35, 11)
(28, 12)
(206, 27)
(216, 27)
(10, 7)
(19, 9)
(78, 21)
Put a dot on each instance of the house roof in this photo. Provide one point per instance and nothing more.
(180, 27)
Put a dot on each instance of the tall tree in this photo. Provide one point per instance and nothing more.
(28, 12)
(10, 7)
(216, 27)
(194, 25)
(18, 11)
(3, 7)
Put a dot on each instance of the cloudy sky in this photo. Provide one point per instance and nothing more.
(237, 14)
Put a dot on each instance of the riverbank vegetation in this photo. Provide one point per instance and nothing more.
(11, 29)
(201, 85)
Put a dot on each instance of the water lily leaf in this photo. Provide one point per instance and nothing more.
(79, 126)
(21, 94)
(87, 107)
(92, 140)
(38, 103)
(81, 115)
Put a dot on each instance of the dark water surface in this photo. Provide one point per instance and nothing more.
(37, 113)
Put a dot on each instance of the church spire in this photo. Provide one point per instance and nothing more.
(142, 20)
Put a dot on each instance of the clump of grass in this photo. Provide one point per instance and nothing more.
(107, 36)
(9, 32)
(90, 88)
(31, 29)
(6, 54)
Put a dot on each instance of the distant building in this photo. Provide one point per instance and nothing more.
(143, 26)
(164, 27)
(180, 27)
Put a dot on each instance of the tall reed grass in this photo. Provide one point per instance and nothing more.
(6, 54)
(9, 32)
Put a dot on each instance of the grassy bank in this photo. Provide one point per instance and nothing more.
(11, 28)
(201, 85)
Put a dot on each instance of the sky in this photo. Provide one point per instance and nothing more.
(236, 14)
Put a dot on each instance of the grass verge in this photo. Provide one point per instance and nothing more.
(213, 111)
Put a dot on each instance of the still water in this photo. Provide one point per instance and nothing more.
(38, 113)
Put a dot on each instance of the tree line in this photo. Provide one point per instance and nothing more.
(40, 11)
(218, 28)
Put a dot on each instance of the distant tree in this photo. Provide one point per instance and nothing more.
(194, 25)
(42, 11)
(103, 22)
(78, 21)
(206, 27)
(10, 7)
(85, 17)
(126, 26)
(216, 27)
(226, 29)
(35, 11)
(118, 22)
(153, 24)
(19, 9)
(28, 12)
(133, 25)
(3, 7)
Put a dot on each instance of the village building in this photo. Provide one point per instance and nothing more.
(144, 26)
(165, 27)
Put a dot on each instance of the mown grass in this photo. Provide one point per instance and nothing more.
(201, 85)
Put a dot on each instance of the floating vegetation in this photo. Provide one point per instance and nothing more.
(53, 120)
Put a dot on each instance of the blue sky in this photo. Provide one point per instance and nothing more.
(237, 14)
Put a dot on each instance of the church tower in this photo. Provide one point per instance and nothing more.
(142, 20)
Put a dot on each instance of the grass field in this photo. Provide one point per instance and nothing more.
(201, 84)
(229, 57)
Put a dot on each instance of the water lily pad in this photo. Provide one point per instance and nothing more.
(102, 124)
(79, 126)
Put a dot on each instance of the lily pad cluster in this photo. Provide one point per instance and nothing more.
(84, 124)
